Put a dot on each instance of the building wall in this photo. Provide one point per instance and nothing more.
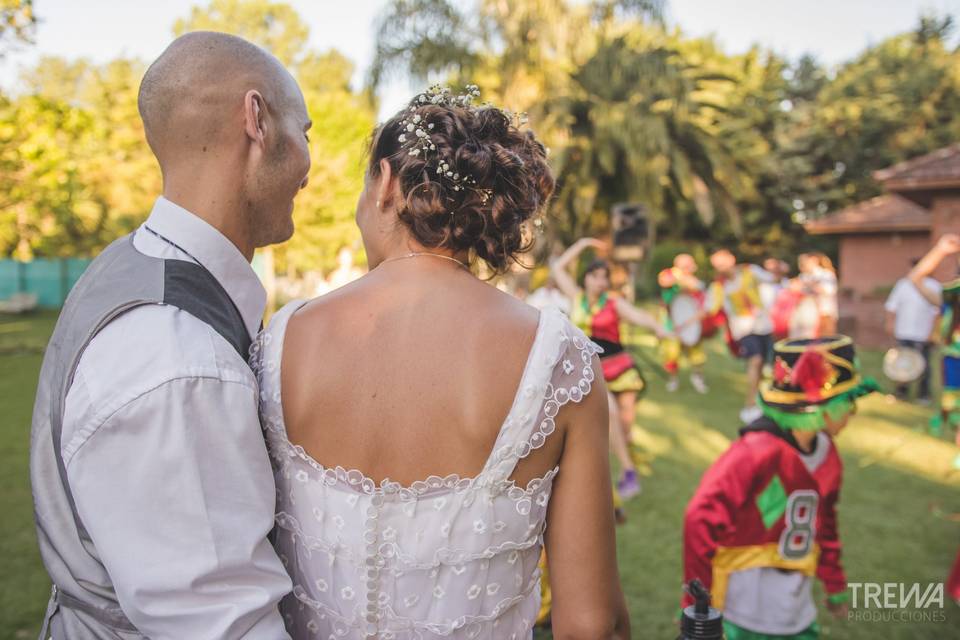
(870, 264)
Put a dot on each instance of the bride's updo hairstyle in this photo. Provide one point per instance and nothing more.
(468, 176)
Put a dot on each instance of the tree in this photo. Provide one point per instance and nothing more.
(78, 172)
(897, 100)
(275, 26)
(613, 97)
(342, 119)
(17, 23)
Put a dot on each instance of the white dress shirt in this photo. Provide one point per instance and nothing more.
(166, 458)
(915, 316)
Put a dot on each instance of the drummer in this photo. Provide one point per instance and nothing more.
(912, 309)
(683, 295)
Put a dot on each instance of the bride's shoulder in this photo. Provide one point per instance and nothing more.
(280, 319)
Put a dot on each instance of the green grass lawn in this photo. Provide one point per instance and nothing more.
(899, 490)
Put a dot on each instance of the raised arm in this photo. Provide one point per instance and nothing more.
(588, 602)
(948, 245)
(560, 268)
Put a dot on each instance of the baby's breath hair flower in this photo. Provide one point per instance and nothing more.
(421, 144)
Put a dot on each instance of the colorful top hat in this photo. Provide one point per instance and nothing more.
(813, 376)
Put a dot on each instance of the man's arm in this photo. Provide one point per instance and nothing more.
(177, 493)
(948, 245)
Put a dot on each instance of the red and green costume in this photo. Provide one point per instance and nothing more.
(763, 522)
(601, 323)
(671, 348)
(760, 506)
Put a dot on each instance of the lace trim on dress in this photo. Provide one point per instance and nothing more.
(402, 623)
(403, 562)
(355, 479)
(555, 397)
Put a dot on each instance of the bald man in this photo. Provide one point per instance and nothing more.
(152, 486)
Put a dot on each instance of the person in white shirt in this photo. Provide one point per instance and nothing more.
(163, 451)
(911, 321)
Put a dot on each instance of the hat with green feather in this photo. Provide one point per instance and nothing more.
(813, 377)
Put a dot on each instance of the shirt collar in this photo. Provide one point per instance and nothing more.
(215, 252)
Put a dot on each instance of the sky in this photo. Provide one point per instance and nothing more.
(832, 30)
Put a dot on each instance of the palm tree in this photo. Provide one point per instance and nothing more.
(627, 133)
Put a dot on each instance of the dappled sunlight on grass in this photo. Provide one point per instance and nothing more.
(652, 444)
(706, 444)
(877, 438)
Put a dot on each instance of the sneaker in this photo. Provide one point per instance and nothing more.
(628, 485)
(699, 384)
(673, 384)
(750, 414)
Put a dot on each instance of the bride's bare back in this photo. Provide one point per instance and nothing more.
(412, 371)
(408, 372)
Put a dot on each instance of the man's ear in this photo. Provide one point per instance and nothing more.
(253, 116)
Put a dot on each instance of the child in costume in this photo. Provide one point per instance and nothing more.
(676, 284)
(763, 521)
(599, 312)
(734, 295)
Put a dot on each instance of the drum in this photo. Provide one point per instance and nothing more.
(805, 319)
(685, 312)
(903, 364)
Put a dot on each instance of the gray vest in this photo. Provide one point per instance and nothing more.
(83, 603)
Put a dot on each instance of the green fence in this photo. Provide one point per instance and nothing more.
(49, 279)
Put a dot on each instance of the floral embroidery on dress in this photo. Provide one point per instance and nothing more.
(362, 554)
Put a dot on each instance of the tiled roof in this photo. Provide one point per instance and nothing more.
(888, 212)
(939, 169)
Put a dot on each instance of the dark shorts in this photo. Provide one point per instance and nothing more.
(755, 345)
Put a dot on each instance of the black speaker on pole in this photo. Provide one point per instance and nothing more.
(631, 231)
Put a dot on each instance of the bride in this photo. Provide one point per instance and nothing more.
(429, 433)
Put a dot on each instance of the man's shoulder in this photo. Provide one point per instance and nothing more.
(137, 353)
(152, 344)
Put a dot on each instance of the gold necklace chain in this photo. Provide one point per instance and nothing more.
(417, 254)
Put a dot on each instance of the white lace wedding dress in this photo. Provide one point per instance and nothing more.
(444, 557)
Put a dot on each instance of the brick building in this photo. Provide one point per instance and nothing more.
(879, 237)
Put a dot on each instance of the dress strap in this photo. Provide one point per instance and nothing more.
(266, 352)
(559, 370)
